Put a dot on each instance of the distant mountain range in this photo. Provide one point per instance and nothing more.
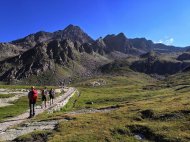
(49, 58)
(110, 43)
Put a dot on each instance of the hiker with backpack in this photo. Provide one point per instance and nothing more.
(44, 97)
(51, 96)
(32, 96)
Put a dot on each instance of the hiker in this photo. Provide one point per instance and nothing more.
(51, 95)
(32, 96)
(44, 97)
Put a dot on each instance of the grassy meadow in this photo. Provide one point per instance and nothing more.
(145, 108)
(152, 109)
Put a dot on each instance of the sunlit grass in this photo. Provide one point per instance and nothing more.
(133, 95)
(115, 125)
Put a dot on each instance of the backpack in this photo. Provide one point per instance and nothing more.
(44, 92)
(34, 94)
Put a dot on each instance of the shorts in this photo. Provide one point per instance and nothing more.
(51, 96)
(44, 98)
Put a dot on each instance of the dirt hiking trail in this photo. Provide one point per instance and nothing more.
(6, 134)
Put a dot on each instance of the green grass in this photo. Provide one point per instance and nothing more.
(134, 94)
(18, 107)
(37, 135)
(6, 96)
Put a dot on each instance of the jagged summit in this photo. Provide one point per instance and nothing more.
(74, 33)
(71, 27)
(121, 35)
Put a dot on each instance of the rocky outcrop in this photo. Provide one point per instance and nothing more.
(157, 67)
(39, 59)
(99, 46)
(162, 48)
(33, 39)
(118, 43)
(151, 56)
(136, 46)
(150, 63)
(8, 50)
(87, 47)
(142, 44)
(184, 56)
(60, 51)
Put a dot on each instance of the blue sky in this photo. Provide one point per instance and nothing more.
(166, 21)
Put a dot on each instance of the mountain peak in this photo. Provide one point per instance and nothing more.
(72, 27)
(122, 35)
(74, 33)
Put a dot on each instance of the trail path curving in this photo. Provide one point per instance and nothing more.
(6, 134)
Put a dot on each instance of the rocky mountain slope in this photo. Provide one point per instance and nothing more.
(8, 50)
(46, 57)
(151, 63)
(147, 45)
(184, 56)
(61, 58)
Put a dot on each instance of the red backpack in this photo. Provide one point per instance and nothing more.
(35, 94)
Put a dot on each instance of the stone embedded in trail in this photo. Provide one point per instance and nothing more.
(101, 110)
(11, 134)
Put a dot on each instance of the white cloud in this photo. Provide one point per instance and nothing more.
(160, 41)
(169, 41)
(166, 40)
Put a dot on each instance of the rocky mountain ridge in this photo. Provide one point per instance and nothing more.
(71, 53)
(74, 33)
(55, 56)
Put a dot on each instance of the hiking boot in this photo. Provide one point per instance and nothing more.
(29, 117)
